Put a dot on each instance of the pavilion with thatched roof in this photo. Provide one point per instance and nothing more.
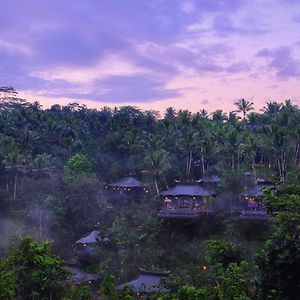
(211, 179)
(78, 277)
(251, 200)
(186, 200)
(147, 282)
(127, 187)
(86, 245)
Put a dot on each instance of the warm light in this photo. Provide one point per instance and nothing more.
(204, 268)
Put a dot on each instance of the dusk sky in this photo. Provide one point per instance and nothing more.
(189, 54)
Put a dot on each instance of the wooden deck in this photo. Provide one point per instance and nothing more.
(184, 213)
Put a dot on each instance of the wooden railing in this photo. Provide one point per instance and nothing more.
(184, 212)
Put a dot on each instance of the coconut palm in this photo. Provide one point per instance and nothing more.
(156, 165)
(244, 106)
(272, 108)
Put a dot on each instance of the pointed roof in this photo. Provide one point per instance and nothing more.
(187, 189)
(210, 179)
(147, 282)
(256, 191)
(79, 277)
(91, 238)
(127, 182)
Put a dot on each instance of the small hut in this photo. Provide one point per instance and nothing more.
(86, 245)
(127, 187)
(251, 202)
(210, 181)
(186, 200)
(78, 277)
(148, 282)
(257, 127)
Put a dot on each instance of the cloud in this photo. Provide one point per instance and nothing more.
(110, 65)
(282, 61)
(129, 89)
(224, 25)
(296, 18)
(145, 51)
(204, 101)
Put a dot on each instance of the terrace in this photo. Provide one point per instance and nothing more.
(186, 200)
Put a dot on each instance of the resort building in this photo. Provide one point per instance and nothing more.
(127, 187)
(186, 200)
(147, 282)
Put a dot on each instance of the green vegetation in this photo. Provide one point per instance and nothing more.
(54, 164)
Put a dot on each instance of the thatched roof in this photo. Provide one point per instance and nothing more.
(79, 277)
(187, 189)
(91, 238)
(147, 282)
(127, 182)
(210, 179)
(256, 191)
(257, 127)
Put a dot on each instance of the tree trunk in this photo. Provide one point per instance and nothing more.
(162, 175)
(253, 167)
(189, 166)
(40, 223)
(202, 161)
(156, 186)
(15, 187)
(296, 153)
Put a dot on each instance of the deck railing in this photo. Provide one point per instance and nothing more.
(185, 211)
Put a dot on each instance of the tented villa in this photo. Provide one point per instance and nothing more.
(147, 282)
(186, 200)
(127, 187)
(251, 202)
(86, 245)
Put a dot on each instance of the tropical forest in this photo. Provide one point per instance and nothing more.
(124, 203)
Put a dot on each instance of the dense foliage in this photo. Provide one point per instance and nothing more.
(53, 166)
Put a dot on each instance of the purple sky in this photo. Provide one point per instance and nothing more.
(191, 54)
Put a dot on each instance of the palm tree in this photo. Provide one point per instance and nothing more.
(219, 116)
(170, 113)
(272, 108)
(187, 144)
(252, 146)
(14, 165)
(42, 166)
(244, 106)
(232, 145)
(157, 163)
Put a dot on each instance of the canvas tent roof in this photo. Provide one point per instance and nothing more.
(187, 189)
(257, 127)
(210, 179)
(127, 182)
(90, 238)
(80, 277)
(256, 191)
(147, 282)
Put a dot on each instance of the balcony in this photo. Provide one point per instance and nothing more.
(184, 213)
